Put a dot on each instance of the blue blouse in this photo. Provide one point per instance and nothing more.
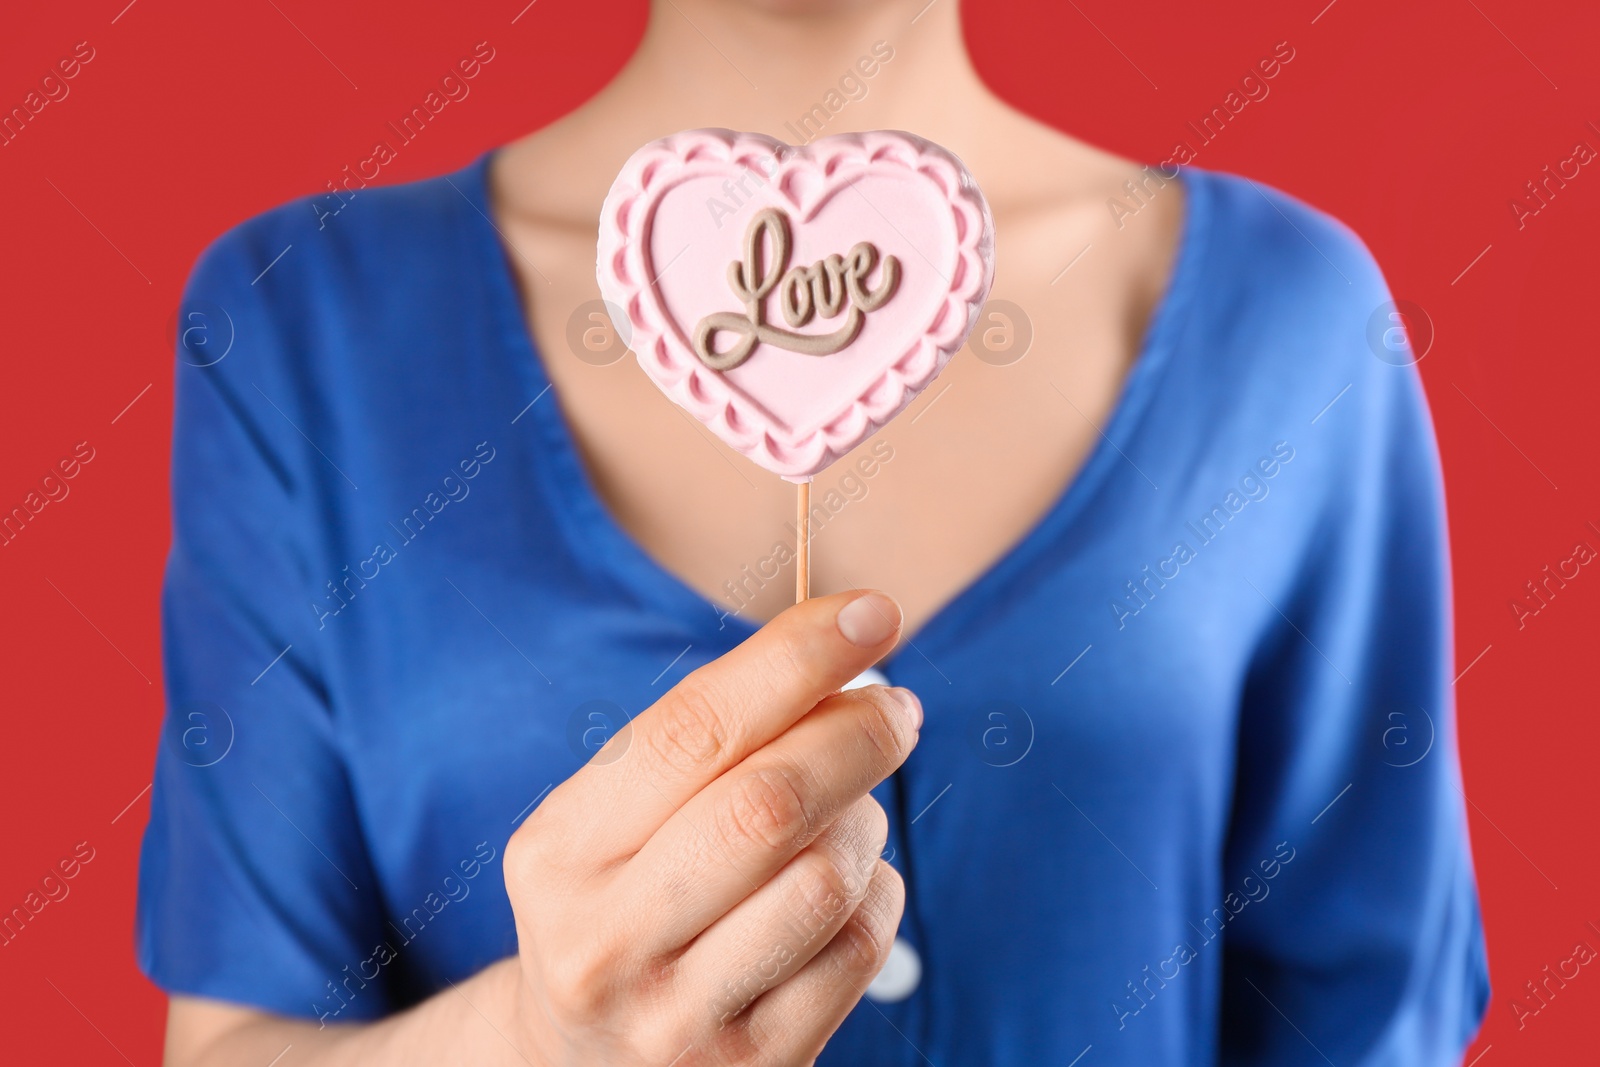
(1187, 792)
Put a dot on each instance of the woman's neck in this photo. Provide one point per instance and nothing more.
(738, 64)
(876, 65)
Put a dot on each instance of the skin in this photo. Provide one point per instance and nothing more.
(739, 804)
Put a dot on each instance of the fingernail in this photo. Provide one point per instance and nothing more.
(869, 620)
(913, 707)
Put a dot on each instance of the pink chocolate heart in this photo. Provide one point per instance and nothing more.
(795, 299)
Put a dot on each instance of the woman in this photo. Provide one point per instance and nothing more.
(1167, 775)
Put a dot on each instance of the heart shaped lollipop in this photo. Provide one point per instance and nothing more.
(795, 299)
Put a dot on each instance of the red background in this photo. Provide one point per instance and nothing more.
(1415, 124)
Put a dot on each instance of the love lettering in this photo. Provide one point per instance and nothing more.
(824, 289)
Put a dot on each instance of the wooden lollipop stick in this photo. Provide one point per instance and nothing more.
(802, 548)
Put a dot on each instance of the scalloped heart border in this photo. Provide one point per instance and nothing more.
(625, 283)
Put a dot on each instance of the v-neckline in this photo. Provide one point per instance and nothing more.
(616, 556)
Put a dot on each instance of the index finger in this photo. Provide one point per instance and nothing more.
(727, 709)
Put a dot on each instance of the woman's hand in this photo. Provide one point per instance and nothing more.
(709, 888)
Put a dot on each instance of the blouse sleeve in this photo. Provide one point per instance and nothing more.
(254, 883)
(1366, 947)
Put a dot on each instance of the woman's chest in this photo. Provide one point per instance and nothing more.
(921, 509)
